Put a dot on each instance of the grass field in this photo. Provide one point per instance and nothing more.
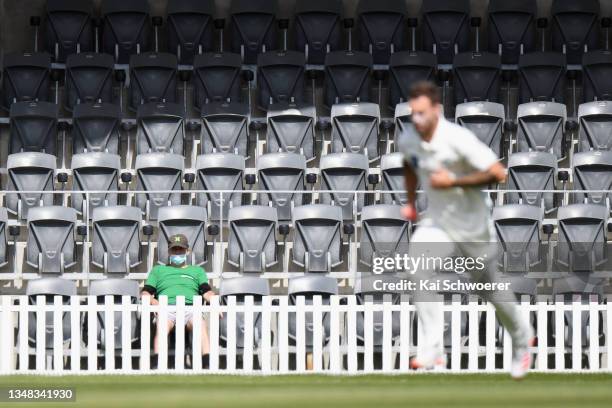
(429, 390)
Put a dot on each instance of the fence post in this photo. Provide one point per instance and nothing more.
(351, 335)
(368, 334)
(6, 340)
(456, 317)
(542, 319)
(145, 333)
(214, 332)
(490, 339)
(40, 333)
(559, 333)
(248, 340)
(593, 334)
(109, 333)
(231, 334)
(576, 332)
(196, 334)
(126, 333)
(334, 335)
(405, 323)
(264, 346)
(92, 334)
(24, 347)
(283, 334)
(162, 333)
(179, 331)
(300, 344)
(387, 364)
(473, 342)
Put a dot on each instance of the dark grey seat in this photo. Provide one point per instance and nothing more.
(392, 179)
(94, 172)
(512, 28)
(158, 172)
(542, 77)
(89, 79)
(485, 120)
(532, 171)
(25, 77)
(3, 240)
(595, 120)
(33, 127)
(221, 172)
(190, 28)
(476, 77)
(318, 28)
(355, 129)
(403, 122)
(592, 171)
(68, 27)
(574, 27)
(280, 78)
(51, 246)
(125, 28)
(152, 78)
(317, 242)
(541, 127)
(225, 129)
(251, 245)
(253, 28)
(445, 28)
(116, 238)
(518, 232)
(384, 233)
(381, 27)
(292, 130)
(344, 172)
(95, 128)
(187, 220)
(29, 171)
(406, 68)
(347, 77)
(596, 83)
(216, 78)
(161, 128)
(277, 174)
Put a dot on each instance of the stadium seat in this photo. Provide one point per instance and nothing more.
(251, 245)
(476, 77)
(518, 232)
(575, 28)
(190, 28)
(445, 28)
(216, 78)
(116, 238)
(225, 129)
(541, 127)
(253, 28)
(344, 172)
(68, 28)
(406, 68)
(33, 127)
(158, 172)
(486, 121)
(161, 128)
(187, 220)
(280, 78)
(89, 79)
(51, 246)
(384, 233)
(25, 77)
(126, 28)
(542, 77)
(317, 28)
(355, 129)
(532, 171)
(220, 172)
(152, 78)
(381, 28)
(596, 82)
(292, 130)
(94, 172)
(317, 242)
(592, 171)
(512, 28)
(4, 251)
(95, 128)
(347, 77)
(281, 172)
(240, 288)
(403, 122)
(595, 131)
(29, 171)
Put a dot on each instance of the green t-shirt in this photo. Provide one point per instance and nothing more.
(172, 282)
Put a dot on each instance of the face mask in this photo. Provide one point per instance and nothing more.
(178, 259)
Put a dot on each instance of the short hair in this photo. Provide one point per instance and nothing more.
(427, 89)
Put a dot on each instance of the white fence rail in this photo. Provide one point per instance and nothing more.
(60, 336)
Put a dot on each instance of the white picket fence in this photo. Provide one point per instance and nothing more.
(275, 354)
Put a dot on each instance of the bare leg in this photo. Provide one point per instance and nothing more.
(204, 335)
(157, 333)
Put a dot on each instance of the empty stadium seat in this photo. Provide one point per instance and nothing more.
(592, 171)
(406, 68)
(476, 77)
(292, 130)
(216, 78)
(381, 28)
(94, 172)
(68, 27)
(51, 246)
(187, 220)
(343, 172)
(4, 259)
(532, 171)
(221, 172)
(384, 233)
(445, 28)
(512, 28)
(486, 121)
(161, 128)
(317, 28)
(541, 127)
(279, 173)
(280, 78)
(190, 28)
(95, 128)
(596, 82)
(89, 78)
(355, 129)
(392, 179)
(25, 77)
(575, 27)
(33, 127)
(251, 245)
(542, 77)
(126, 28)
(253, 28)
(158, 172)
(225, 129)
(317, 241)
(595, 126)
(152, 78)
(347, 77)
(116, 238)
(366, 292)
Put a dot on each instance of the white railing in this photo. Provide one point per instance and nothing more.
(335, 351)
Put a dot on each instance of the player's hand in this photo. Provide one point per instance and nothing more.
(441, 178)
(409, 212)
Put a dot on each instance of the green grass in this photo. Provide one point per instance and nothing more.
(429, 390)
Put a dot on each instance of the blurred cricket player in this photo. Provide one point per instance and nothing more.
(453, 166)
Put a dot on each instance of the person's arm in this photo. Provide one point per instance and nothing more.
(204, 288)
(494, 174)
(410, 181)
(149, 288)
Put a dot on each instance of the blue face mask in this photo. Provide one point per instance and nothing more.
(178, 260)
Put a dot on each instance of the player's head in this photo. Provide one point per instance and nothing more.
(178, 247)
(425, 105)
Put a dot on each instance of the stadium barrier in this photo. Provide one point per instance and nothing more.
(47, 337)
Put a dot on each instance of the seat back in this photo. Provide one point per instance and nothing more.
(33, 127)
(318, 28)
(29, 171)
(344, 172)
(25, 77)
(182, 219)
(384, 233)
(518, 232)
(541, 127)
(381, 28)
(95, 128)
(68, 27)
(485, 120)
(532, 171)
(574, 27)
(476, 77)
(89, 79)
(152, 78)
(280, 76)
(278, 174)
(596, 83)
(221, 172)
(3, 239)
(347, 77)
(252, 237)
(190, 28)
(355, 128)
(216, 78)
(116, 238)
(95, 172)
(51, 246)
(158, 172)
(512, 25)
(542, 77)
(592, 171)
(225, 129)
(292, 130)
(595, 121)
(125, 28)
(445, 23)
(407, 68)
(161, 128)
(252, 28)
